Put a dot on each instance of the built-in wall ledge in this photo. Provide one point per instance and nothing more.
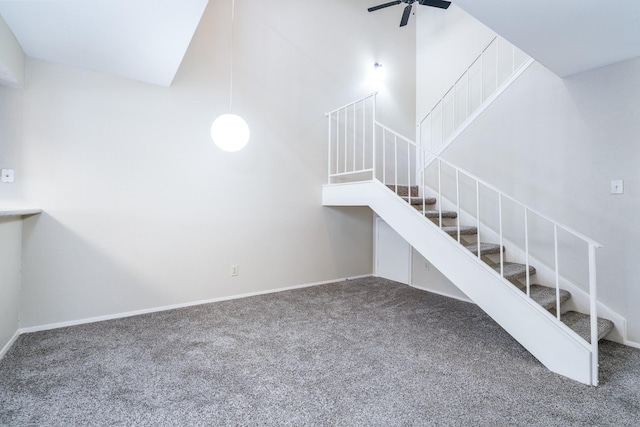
(18, 212)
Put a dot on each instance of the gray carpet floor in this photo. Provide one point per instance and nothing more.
(354, 353)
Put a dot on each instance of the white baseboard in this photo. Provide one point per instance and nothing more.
(172, 307)
(6, 348)
(631, 344)
(13, 339)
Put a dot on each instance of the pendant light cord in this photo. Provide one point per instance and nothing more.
(233, 7)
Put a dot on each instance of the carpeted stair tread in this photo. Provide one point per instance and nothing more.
(513, 270)
(436, 214)
(452, 230)
(485, 248)
(546, 296)
(581, 324)
(418, 201)
(403, 190)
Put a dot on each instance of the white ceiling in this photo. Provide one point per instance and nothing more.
(139, 39)
(566, 36)
(147, 39)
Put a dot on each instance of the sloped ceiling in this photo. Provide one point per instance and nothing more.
(139, 39)
(566, 36)
(147, 39)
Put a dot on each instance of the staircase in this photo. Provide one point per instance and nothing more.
(515, 273)
(420, 195)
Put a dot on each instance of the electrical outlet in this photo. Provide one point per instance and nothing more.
(235, 270)
(617, 186)
(426, 265)
(8, 175)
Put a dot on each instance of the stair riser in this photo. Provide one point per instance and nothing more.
(513, 271)
(436, 215)
(466, 231)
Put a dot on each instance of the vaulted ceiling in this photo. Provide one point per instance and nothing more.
(147, 39)
(138, 39)
(566, 36)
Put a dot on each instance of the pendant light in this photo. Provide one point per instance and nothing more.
(229, 131)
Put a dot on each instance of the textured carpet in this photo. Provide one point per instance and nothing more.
(362, 352)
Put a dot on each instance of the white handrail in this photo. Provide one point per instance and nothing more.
(350, 129)
(460, 119)
(351, 103)
(466, 71)
(511, 199)
(388, 129)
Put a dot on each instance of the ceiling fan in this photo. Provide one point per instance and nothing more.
(442, 4)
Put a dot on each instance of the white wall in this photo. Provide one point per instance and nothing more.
(556, 144)
(447, 41)
(12, 58)
(10, 195)
(141, 210)
(11, 104)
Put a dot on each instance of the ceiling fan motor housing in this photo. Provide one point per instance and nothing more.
(442, 4)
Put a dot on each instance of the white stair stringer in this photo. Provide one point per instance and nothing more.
(554, 344)
(579, 300)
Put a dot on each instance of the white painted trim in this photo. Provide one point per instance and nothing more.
(6, 348)
(631, 344)
(175, 306)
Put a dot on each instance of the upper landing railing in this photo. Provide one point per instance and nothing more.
(362, 149)
(493, 70)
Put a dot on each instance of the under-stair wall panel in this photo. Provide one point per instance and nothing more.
(426, 276)
(392, 254)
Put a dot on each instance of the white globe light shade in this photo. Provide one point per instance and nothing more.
(230, 132)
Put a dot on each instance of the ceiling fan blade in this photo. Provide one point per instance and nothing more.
(405, 15)
(382, 6)
(442, 4)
